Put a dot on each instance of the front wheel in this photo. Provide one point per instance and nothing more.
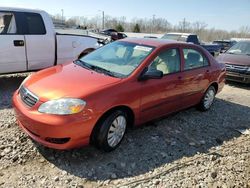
(207, 99)
(112, 131)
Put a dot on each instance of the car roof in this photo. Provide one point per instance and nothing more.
(222, 41)
(15, 9)
(248, 41)
(109, 30)
(152, 41)
(183, 34)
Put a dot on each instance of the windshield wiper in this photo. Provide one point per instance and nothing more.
(82, 64)
(96, 68)
(104, 71)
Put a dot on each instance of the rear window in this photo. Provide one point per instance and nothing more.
(35, 24)
(172, 37)
(194, 59)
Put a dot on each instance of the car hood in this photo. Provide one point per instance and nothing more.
(234, 59)
(68, 80)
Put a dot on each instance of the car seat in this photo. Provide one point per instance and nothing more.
(193, 60)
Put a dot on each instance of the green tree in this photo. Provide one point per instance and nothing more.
(137, 28)
(119, 28)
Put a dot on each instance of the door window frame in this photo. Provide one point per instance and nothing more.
(196, 49)
(177, 47)
(21, 23)
(16, 20)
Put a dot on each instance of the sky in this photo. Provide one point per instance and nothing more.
(219, 14)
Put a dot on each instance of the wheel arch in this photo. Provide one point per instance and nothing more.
(215, 85)
(124, 108)
(85, 52)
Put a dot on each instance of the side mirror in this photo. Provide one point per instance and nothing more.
(150, 74)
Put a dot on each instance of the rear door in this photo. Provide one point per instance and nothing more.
(40, 41)
(12, 44)
(195, 76)
(162, 96)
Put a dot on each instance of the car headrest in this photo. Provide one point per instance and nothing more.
(194, 57)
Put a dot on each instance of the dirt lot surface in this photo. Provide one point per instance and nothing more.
(187, 149)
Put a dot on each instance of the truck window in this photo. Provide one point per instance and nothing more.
(7, 23)
(193, 39)
(35, 24)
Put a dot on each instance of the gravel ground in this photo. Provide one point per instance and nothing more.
(186, 149)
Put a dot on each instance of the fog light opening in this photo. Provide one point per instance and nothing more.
(57, 140)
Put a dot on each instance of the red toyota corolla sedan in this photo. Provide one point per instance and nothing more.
(125, 83)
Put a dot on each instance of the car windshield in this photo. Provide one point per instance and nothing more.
(118, 59)
(241, 48)
(171, 36)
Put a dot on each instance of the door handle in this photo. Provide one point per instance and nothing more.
(199, 76)
(179, 77)
(18, 43)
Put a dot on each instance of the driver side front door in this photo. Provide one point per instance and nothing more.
(160, 97)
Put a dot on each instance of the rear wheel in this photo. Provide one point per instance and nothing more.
(112, 131)
(207, 99)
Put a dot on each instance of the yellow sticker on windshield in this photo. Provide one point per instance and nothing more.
(143, 48)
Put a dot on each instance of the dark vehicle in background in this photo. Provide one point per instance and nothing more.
(150, 37)
(114, 34)
(118, 36)
(214, 49)
(225, 44)
(237, 60)
(108, 31)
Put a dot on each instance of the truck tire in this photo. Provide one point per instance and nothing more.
(85, 52)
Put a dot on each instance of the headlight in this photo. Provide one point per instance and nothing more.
(62, 106)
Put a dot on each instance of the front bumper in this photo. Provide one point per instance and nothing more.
(54, 131)
(238, 77)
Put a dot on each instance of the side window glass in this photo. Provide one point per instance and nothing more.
(194, 59)
(167, 61)
(7, 23)
(35, 24)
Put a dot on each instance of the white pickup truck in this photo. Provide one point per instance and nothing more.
(28, 41)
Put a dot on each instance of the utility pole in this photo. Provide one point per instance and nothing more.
(62, 16)
(102, 19)
(153, 23)
(103, 16)
(184, 25)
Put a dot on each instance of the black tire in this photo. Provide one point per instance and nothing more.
(202, 106)
(85, 53)
(101, 137)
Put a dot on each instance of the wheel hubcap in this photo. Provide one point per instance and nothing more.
(209, 98)
(116, 131)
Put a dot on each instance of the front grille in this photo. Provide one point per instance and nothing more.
(27, 97)
(235, 78)
(236, 68)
